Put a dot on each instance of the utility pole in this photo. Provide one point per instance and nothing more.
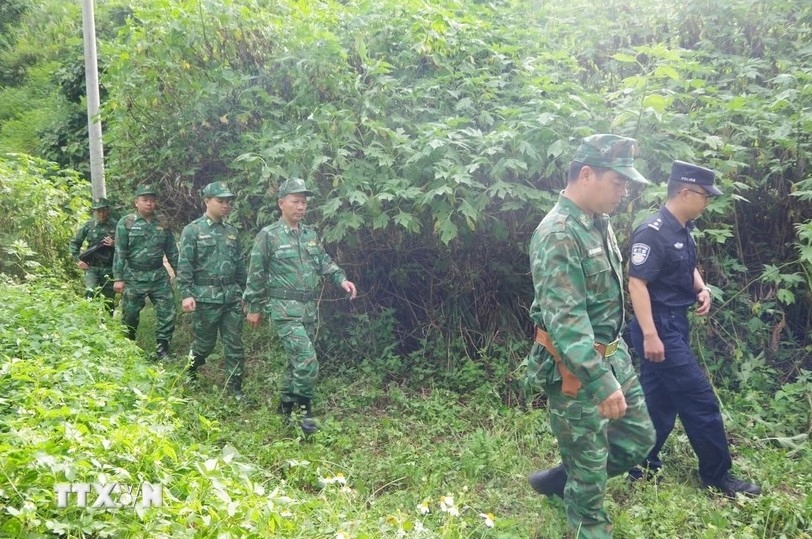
(93, 116)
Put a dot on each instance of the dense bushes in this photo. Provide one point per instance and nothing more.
(78, 403)
(40, 209)
(435, 136)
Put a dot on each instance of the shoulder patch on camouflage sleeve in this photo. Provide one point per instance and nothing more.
(640, 252)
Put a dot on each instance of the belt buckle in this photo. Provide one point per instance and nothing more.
(611, 348)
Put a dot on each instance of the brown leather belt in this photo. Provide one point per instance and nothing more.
(570, 384)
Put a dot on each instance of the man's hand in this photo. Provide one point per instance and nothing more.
(82, 265)
(349, 288)
(188, 305)
(653, 348)
(704, 298)
(614, 406)
(253, 319)
(108, 241)
(118, 287)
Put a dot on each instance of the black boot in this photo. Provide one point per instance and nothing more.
(162, 349)
(645, 472)
(197, 362)
(235, 390)
(308, 424)
(549, 482)
(286, 411)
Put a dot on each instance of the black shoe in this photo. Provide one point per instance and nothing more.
(285, 409)
(235, 390)
(730, 485)
(197, 362)
(308, 424)
(549, 482)
(162, 349)
(645, 473)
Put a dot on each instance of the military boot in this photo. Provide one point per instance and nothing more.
(162, 349)
(549, 482)
(197, 362)
(235, 390)
(308, 424)
(286, 411)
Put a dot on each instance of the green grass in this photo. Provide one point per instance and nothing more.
(392, 459)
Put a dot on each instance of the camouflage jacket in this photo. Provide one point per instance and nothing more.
(140, 248)
(211, 265)
(93, 232)
(287, 261)
(577, 278)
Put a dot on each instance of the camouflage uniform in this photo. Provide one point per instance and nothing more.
(283, 274)
(140, 248)
(99, 276)
(577, 276)
(284, 269)
(211, 269)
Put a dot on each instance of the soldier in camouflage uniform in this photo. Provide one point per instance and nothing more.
(211, 279)
(142, 240)
(283, 276)
(99, 233)
(597, 409)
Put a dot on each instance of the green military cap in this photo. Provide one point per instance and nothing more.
(610, 151)
(217, 189)
(100, 203)
(293, 186)
(145, 189)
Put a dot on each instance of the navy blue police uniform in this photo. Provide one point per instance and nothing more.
(664, 255)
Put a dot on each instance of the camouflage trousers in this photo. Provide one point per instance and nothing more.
(207, 320)
(162, 298)
(302, 369)
(99, 280)
(594, 448)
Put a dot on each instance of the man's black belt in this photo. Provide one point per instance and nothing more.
(146, 267)
(214, 281)
(287, 293)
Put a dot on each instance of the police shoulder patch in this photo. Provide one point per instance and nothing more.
(640, 252)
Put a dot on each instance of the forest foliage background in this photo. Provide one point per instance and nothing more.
(436, 135)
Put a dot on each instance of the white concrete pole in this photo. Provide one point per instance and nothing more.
(94, 128)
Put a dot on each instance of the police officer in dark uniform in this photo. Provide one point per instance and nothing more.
(663, 283)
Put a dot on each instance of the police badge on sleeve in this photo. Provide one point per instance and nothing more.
(640, 252)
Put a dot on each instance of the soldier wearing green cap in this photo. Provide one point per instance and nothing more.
(597, 409)
(211, 279)
(283, 278)
(97, 260)
(143, 238)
